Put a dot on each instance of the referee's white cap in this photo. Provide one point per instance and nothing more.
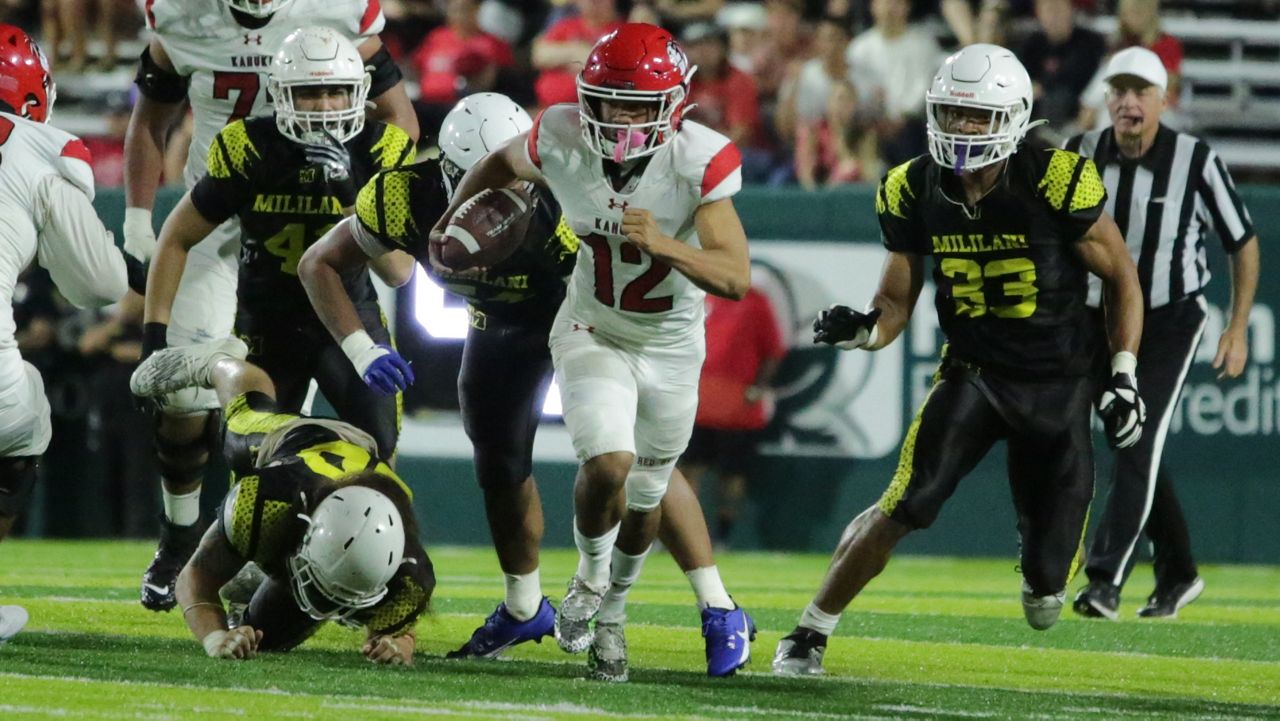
(1139, 62)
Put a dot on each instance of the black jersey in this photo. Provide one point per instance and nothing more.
(260, 520)
(1011, 288)
(399, 207)
(285, 204)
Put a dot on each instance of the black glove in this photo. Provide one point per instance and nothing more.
(136, 274)
(335, 162)
(1122, 410)
(844, 327)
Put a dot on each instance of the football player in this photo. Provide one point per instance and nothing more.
(313, 504)
(46, 193)
(506, 368)
(289, 179)
(215, 55)
(650, 195)
(1015, 232)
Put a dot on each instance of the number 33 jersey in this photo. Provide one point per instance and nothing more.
(229, 64)
(1010, 285)
(617, 289)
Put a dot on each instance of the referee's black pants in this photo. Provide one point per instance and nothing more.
(1141, 493)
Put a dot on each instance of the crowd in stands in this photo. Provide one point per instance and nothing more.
(814, 92)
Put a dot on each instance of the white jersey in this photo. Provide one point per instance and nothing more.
(229, 64)
(46, 191)
(617, 289)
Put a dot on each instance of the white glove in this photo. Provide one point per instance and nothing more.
(240, 642)
(139, 235)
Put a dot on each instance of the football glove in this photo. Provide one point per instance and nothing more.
(139, 235)
(845, 328)
(1120, 407)
(380, 366)
(335, 161)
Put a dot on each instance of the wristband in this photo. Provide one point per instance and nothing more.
(1124, 362)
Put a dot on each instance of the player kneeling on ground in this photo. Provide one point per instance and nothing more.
(312, 504)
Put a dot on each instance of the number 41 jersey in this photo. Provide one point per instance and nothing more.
(616, 289)
(1010, 286)
(229, 64)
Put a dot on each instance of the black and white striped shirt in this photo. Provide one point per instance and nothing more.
(1165, 203)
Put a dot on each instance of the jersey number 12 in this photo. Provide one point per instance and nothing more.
(633, 295)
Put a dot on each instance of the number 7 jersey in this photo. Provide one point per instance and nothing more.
(1010, 284)
(229, 64)
(617, 289)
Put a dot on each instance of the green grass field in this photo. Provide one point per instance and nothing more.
(931, 638)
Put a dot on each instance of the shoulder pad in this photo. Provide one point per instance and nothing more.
(76, 165)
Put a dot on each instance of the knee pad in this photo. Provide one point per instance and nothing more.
(647, 483)
(17, 478)
(184, 461)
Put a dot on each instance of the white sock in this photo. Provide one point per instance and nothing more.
(708, 587)
(183, 510)
(623, 575)
(819, 620)
(524, 594)
(593, 555)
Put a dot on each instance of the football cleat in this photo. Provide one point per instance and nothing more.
(1041, 611)
(573, 620)
(1098, 600)
(174, 369)
(177, 543)
(729, 633)
(608, 657)
(12, 619)
(501, 631)
(800, 653)
(1167, 603)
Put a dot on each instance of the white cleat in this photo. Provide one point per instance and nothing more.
(12, 619)
(573, 619)
(1042, 611)
(608, 657)
(174, 369)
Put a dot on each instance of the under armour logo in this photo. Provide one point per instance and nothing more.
(615, 204)
(252, 39)
(587, 328)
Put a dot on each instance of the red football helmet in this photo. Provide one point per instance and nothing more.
(637, 62)
(25, 82)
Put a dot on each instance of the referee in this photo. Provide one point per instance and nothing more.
(1166, 190)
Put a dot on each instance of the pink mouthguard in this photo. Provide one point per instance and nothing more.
(627, 139)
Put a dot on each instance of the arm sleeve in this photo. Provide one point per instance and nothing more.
(895, 209)
(1230, 218)
(78, 251)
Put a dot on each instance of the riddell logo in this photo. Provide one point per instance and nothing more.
(961, 94)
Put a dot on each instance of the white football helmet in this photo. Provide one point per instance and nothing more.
(477, 124)
(984, 77)
(257, 8)
(318, 56)
(353, 547)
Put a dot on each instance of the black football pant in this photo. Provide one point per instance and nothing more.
(506, 371)
(1046, 425)
(1141, 490)
(294, 351)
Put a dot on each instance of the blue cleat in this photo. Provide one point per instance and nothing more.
(729, 633)
(501, 631)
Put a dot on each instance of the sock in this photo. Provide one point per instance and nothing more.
(819, 620)
(183, 510)
(593, 555)
(625, 571)
(708, 587)
(524, 594)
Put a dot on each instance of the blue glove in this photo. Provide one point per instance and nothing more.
(389, 373)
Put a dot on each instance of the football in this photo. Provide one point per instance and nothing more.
(487, 228)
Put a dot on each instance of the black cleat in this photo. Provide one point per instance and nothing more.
(1098, 600)
(177, 543)
(1165, 603)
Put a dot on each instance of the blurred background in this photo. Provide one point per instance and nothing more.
(821, 97)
